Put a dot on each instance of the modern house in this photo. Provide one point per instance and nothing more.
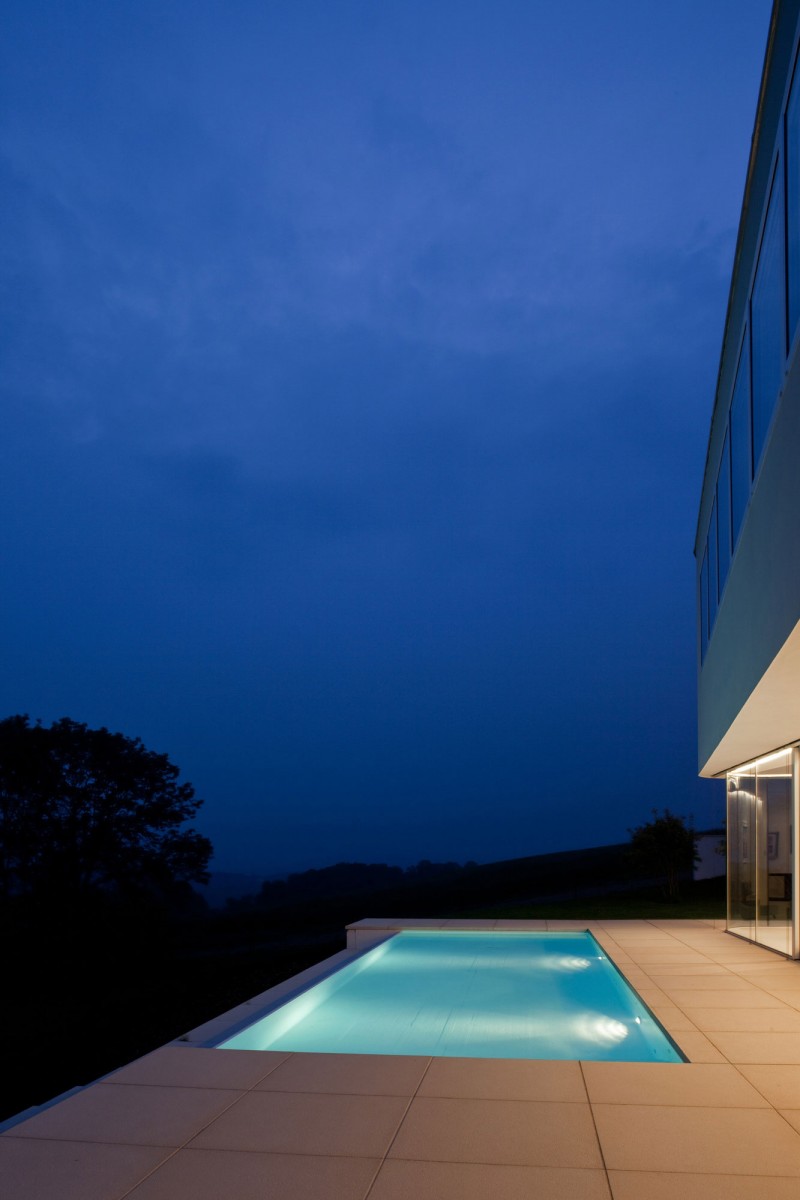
(747, 546)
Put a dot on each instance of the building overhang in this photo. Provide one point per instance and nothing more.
(770, 717)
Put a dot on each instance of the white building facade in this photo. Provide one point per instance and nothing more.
(747, 548)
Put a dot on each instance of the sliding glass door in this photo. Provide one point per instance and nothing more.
(761, 851)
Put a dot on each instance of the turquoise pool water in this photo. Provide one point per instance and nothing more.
(476, 995)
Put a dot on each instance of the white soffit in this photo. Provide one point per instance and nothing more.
(770, 718)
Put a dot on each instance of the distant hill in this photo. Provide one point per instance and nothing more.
(229, 885)
(565, 874)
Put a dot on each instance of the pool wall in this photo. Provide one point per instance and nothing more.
(228, 1024)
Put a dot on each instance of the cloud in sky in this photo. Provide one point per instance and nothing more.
(359, 373)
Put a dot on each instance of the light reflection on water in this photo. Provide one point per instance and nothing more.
(605, 1031)
(400, 962)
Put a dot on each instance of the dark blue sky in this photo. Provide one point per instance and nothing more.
(357, 370)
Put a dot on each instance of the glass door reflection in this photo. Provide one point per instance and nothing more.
(760, 860)
(774, 839)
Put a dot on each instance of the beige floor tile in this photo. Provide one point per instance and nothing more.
(530, 925)
(504, 1079)
(635, 975)
(685, 1084)
(636, 951)
(755, 970)
(377, 923)
(698, 1048)
(779, 1084)
(724, 982)
(42, 1170)
(558, 926)
(684, 926)
(667, 958)
(792, 1115)
(655, 970)
(610, 946)
(734, 1141)
(645, 933)
(348, 1074)
(637, 923)
(228, 1175)
(753, 959)
(396, 924)
(758, 1047)
(140, 1115)
(723, 998)
(748, 970)
(196, 1066)
(742, 952)
(786, 981)
(514, 1132)
(300, 1123)
(618, 957)
(478, 926)
(649, 1185)
(400, 1179)
(691, 933)
(673, 1019)
(653, 995)
(746, 1020)
(790, 996)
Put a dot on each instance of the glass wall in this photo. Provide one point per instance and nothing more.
(768, 318)
(713, 586)
(704, 605)
(793, 202)
(741, 453)
(724, 539)
(760, 851)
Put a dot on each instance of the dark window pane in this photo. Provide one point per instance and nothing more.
(704, 606)
(724, 512)
(768, 319)
(713, 593)
(793, 200)
(741, 460)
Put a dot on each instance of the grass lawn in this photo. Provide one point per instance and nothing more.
(701, 901)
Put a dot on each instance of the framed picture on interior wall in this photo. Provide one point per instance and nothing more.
(772, 845)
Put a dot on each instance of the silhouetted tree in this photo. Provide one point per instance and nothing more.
(666, 849)
(86, 812)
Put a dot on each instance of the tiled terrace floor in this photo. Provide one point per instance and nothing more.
(203, 1124)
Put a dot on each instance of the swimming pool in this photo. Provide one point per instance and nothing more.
(472, 995)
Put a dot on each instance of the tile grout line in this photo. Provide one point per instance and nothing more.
(675, 1036)
(596, 1130)
(411, 1100)
(150, 1173)
(706, 1033)
(775, 1109)
(184, 1144)
(728, 973)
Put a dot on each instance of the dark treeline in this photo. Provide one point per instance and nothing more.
(345, 878)
(570, 873)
